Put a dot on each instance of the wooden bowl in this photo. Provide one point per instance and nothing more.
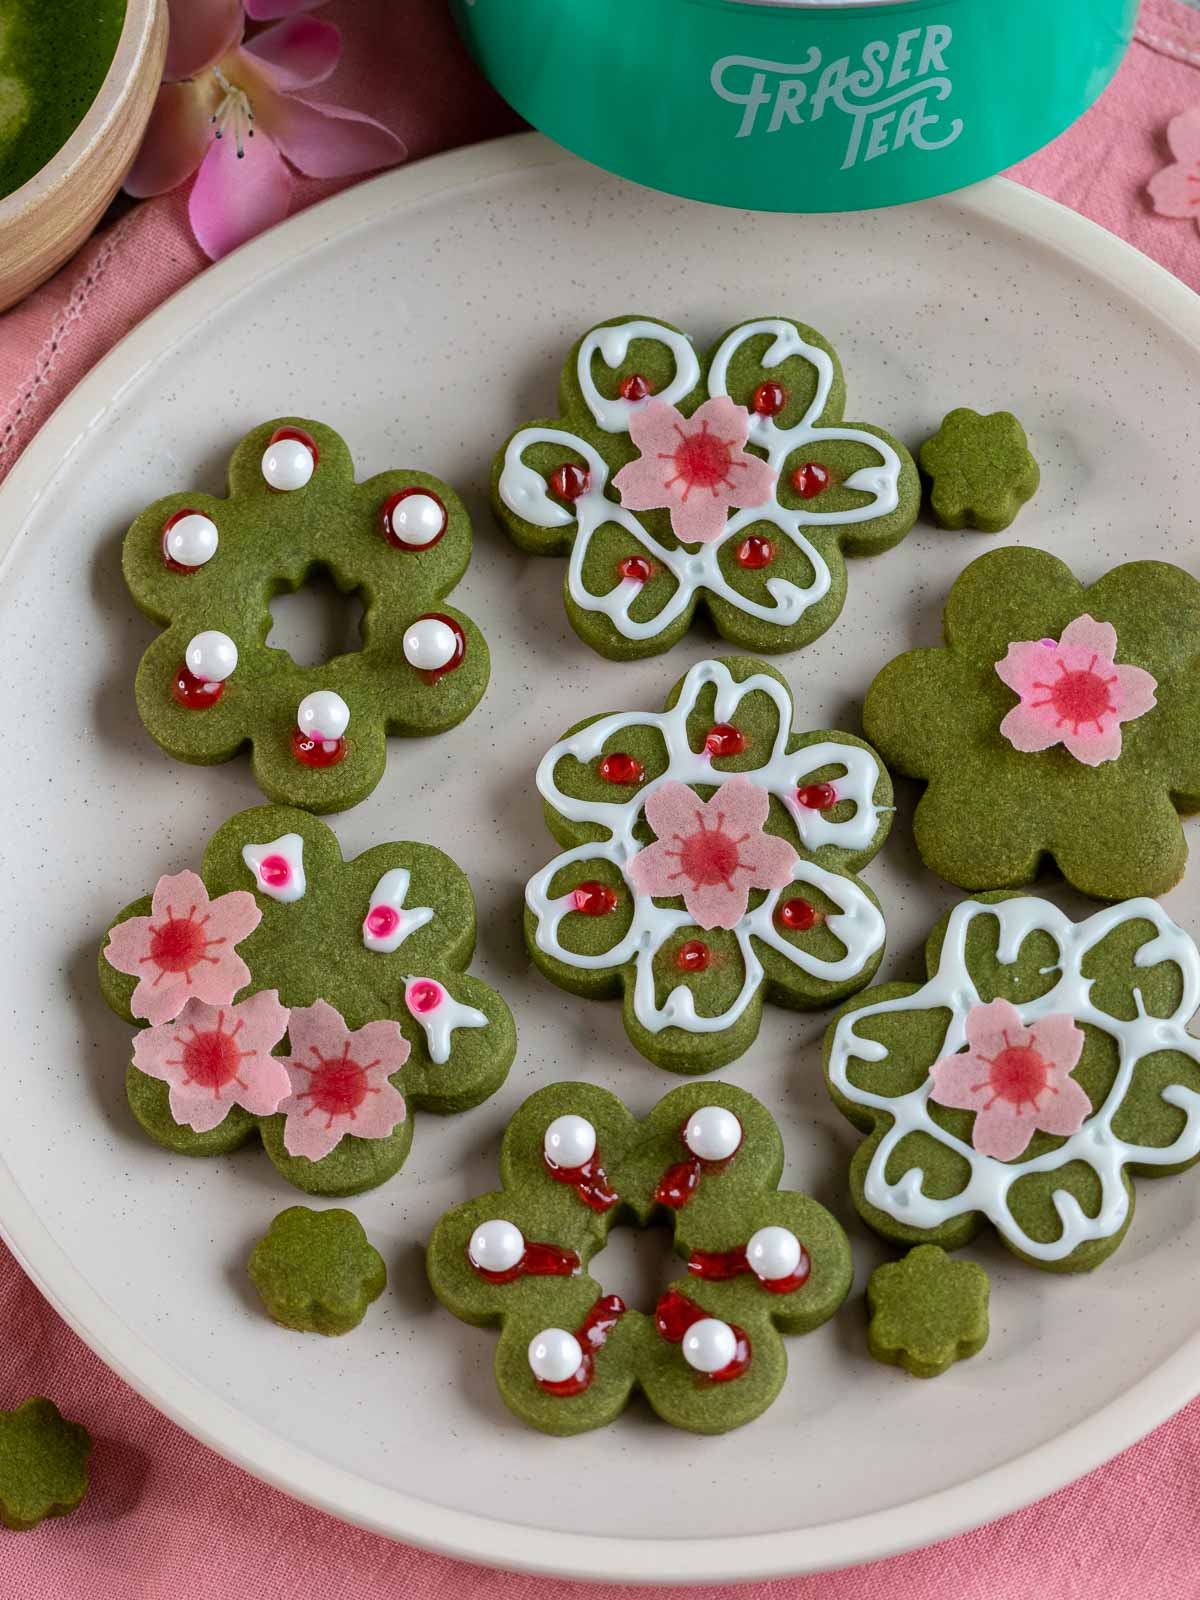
(46, 220)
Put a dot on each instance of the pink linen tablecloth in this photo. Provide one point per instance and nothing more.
(165, 1516)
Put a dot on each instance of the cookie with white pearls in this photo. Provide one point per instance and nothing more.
(756, 1262)
(206, 569)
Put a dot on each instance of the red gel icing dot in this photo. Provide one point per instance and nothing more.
(424, 997)
(317, 752)
(594, 899)
(621, 768)
(636, 567)
(568, 482)
(754, 553)
(694, 956)
(810, 480)
(194, 692)
(382, 920)
(724, 740)
(798, 915)
(636, 387)
(769, 399)
(306, 439)
(388, 511)
(817, 796)
(275, 871)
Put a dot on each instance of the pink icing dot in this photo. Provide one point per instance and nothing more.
(424, 996)
(1050, 644)
(275, 870)
(382, 920)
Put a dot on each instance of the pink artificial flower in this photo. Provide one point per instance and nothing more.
(713, 852)
(1175, 191)
(339, 1081)
(229, 109)
(216, 1057)
(1016, 1079)
(694, 465)
(185, 948)
(1072, 691)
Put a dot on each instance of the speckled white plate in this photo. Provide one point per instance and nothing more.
(424, 315)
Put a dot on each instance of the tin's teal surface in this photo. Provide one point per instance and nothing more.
(800, 105)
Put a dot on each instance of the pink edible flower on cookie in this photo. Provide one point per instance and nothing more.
(215, 1057)
(1016, 1079)
(712, 852)
(1073, 692)
(185, 948)
(339, 1081)
(694, 466)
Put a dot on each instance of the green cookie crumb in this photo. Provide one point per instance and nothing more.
(43, 1464)
(927, 1311)
(980, 470)
(316, 1271)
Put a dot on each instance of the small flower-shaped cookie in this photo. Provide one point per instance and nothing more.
(316, 1271)
(344, 1007)
(1057, 721)
(207, 569)
(980, 469)
(1041, 1064)
(729, 480)
(760, 1262)
(708, 863)
(43, 1465)
(927, 1311)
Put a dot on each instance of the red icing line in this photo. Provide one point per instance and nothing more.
(679, 1182)
(193, 692)
(539, 1261)
(719, 1265)
(675, 1314)
(317, 752)
(592, 1334)
(590, 1182)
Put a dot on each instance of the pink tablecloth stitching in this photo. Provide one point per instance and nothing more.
(166, 1517)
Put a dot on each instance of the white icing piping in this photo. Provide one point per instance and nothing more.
(857, 924)
(1095, 1143)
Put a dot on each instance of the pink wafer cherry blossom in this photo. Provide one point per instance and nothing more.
(696, 466)
(1016, 1079)
(1175, 190)
(712, 852)
(339, 1081)
(185, 948)
(215, 1057)
(1073, 692)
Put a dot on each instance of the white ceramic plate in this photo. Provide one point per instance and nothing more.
(424, 315)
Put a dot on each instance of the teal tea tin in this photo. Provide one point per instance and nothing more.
(800, 105)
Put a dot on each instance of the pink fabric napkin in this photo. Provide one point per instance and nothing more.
(166, 1517)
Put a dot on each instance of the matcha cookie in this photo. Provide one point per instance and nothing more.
(312, 1001)
(43, 1465)
(927, 1311)
(1057, 722)
(980, 470)
(207, 570)
(1041, 1066)
(708, 864)
(316, 1271)
(760, 1262)
(673, 480)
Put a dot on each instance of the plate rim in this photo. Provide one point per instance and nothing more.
(475, 1536)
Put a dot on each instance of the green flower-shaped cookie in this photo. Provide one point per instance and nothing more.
(360, 964)
(1041, 1065)
(927, 1311)
(708, 864)
(1058, 721)
(980, 469)
(43, 1465)
(657, 444)
(316, 1271)
(760, 1262)
(207, 570)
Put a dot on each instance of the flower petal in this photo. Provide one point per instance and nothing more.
(640, 484)
(754, 481)
(724, 417)
(331, 142)
(1183, 135)
(1175, 191)
(297, 53)
(743, 804)
(1027, 663)
(718, 905)
(1059, 1040)
(1001, 1133)
(232, 199)
(656, 426)
(655, 871)
(1027, 730)
(673, 808)
(1090, 638)
(1093, 746)
(268, 10)
(201, 32)
(956, 1082)
(772, 861)
(987, 1025)
(700, 518)
(1064, 1112)
(1134, 693)
(173, 146)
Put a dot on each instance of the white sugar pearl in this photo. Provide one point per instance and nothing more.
(554, 1355)
(192, 540)
(712, 1133)
(709, 1345)
(287, 464)
(322, 715)
(496, 1246)
(417, 519)
(211, 656)
(773, 1253)
(570, 1141)
(429, 644)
